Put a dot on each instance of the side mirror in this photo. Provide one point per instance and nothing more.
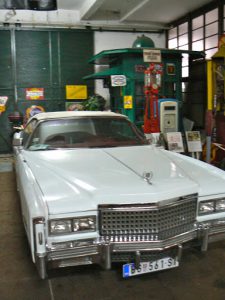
(17, 139)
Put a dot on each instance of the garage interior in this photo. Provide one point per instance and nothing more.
(55, 55)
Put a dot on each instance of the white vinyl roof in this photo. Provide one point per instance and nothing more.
(69, 114)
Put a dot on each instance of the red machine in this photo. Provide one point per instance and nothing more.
(153, 76)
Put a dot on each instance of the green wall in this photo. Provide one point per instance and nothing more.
(49, 59)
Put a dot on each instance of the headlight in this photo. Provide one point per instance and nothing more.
(211, 206)
(206, 207)
(220, 205)
(60, 226)
(64, 226)
(84, 224)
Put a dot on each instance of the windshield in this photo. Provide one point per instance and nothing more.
(85, 132)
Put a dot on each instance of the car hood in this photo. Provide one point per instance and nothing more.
(80, 179)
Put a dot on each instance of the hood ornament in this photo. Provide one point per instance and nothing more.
(147, 176)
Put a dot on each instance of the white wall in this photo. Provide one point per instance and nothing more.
(117, 40)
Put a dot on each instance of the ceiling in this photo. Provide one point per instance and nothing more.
(142, 15)
(149, 14)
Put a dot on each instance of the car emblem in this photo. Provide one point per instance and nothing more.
(148, 176)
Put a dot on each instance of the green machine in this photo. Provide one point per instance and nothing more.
(128, 98)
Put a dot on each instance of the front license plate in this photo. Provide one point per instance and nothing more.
(148, 267)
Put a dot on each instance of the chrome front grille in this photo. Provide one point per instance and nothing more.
(149, 221)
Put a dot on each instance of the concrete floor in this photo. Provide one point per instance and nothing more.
(200, 277)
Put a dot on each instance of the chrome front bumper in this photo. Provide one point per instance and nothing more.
(101, 251)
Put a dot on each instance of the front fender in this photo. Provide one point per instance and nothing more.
(32, 203)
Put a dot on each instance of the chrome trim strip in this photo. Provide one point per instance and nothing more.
(179, 254)
(38, 220)
(217, 229)
(149, 206)
(205, 239)
(40, 259)
(41, 266)
(72, 253)
(155, 245)
(107, 254)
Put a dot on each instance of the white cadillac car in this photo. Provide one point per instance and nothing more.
(93, 191)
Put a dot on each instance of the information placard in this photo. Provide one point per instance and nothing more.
(175, 141)
(152, 55)
(194, 141)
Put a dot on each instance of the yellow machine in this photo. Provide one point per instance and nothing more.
(215, 118)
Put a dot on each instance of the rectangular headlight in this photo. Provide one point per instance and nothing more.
(73, 225)
(220, 205)
(211, 206)
(84, 224)
(60, 226)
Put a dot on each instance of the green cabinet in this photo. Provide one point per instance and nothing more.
(130, 62)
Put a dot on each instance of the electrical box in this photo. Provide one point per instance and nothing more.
(168, 115)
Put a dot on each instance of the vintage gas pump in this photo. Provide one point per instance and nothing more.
(153, 78)
(169, 116)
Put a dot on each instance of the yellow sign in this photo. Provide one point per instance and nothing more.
(3, 101)
(76, 92)
(128, 102)
(2, 108)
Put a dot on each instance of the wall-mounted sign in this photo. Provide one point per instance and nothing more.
(34, 93)
(128, 102)
(33, 110)
(76, 92)
(170, 69)
(140, 68)
(118, 80)
(3, 100)
(152, 55)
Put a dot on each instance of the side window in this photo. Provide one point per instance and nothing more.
(28, 130)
